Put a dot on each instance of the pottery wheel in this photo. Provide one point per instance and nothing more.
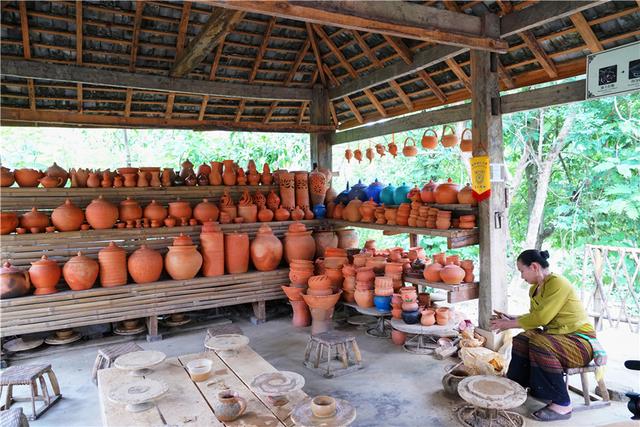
(139, 362)
(121, 330)
(276, 385)
(22, 344)
(138, 394)
(54, 340)
(173, 323)
(491, 392)
(227, 344)
(302, 415)
(472, 416)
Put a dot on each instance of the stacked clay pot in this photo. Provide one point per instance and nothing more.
(301, 314)
(410, 309)
(467, 221)
(402, 215)
(34, 221)
(145, 265)
(349, 282)
(319, 286)
(44, 275)
(8, 222)
(247, 209)
(212, 249)
(206, 211)
(183, 261)
(383, 292)
(236, 252)
(443, 220)
(394, 271)
(396, 306)
(347, 238)
(467, 266)
(14, 281)
(67, 217)
(101, 214)
(298, 243)
(432, 216)
(324, 239)
(300, 271)
(266, 249)
(364, 286)
(113, 266)
(321, 301)
(80, 272)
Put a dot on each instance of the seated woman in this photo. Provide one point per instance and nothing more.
(558, 335)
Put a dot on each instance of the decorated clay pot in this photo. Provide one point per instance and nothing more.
(273, 201)
(451, 274)
(301, 180)
(14, 282)
(299, 244)
(317, 187)
(44, 275)
(206, 211)
(297, 214)
(287, 190)
(266, 249)
(236, 252)
(34, 219)
(101, 214)
(183, 261)
(145, 265)
(26, 177)
(155, 211)
(446, 193)
(80, 272)
(129, 210)
(8, 222)
(67, 217)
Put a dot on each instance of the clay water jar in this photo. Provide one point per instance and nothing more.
(352, 211)
(145, 265)
(14, 281)
(180, 209)
(45, 275)
(34, 219)
(442, 315)
(266, 249)
(206, 211)
(446, 193)
(155, 210)
(228, 405)
(347, 238)
(67, 217)
(101, 214)
(432, 272)
(299, 244)
(183, 261)
(236, 252)
(229, 173)
(465, 196)
(451, 274)
(428, 317)
(113, 266)
(8, 222)
(26, 177)
(129, 210)
(80, 272)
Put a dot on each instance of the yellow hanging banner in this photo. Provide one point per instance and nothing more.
(480, 177)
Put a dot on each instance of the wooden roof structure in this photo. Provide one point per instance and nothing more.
(252, 65)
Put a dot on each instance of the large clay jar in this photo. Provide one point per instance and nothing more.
(352, 211)
(14, 282)
(8, 222)
(183, 261)
(317, 187)
(302, 189)
(236, 252)
(212, 249)
(34, 219)
(155, 211)
(101, 214)
(446, 193)
(145, 265)
(287, 190)
(229, 174)
(129, 210)
(347, 238)
(246, 208)
(206, 211)
(26, 177)
(113, 266)
(227, 206)
(180, 209)
(451, 274)
(432, 272)
(6, 177)
(465, 196)
(426, 194)
(325, 239)
(298, 243)
(67, 217)
(80, 272)
(266, 249)
(45, 275)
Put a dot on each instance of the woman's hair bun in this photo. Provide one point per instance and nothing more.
(544, 254)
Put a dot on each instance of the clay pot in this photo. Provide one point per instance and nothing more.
(266, 249)
(212, 249)
(44, 275)
(432, 272)
(320, 282)
(183, 261)
(273, 201)
(429, 142)
(34, 219)
(398, 337)
(352, 211)
(155, 211)
(180, 209)
(6, 177)
(236, 252)
(426, 194)
(266, 178)
(298, 244)
(317, 187)
(323, 406)
(80, 272)
(301, 314)
(130, 180)
(228, 405)
(107, 181)
(206, 211)
(465, 196)
(260, 200)
(301, 180)
(466, 145)
(297, 214)
(367, 209)
(56, 171)
(282, 214)
(67, 217)
(451, 274)
(101, 214)
(449, 140)
(129, 210)
(409, 150)
(265, 214)
(428, 317)
(8, 222)
(299, 276)
(442, 315)
(446, 193)
(154, 181)
(26, 177)
(229, 176)
(294, 294)
(50, 181)
(364, 299)
(324, 239)
(249, 213)
(14, 282)
(393, 149)
(348, 154)
(287, 190)
(365, 274)
(145, 265)
(113, 266)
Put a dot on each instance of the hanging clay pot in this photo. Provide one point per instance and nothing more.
(246, 208)
(183, 261)
(34, 219)
(44, 275)
(56, 171)
(409, 150)
(465, 196)
(287, 190)
(129, 210)
(67, 217)
(101, 214)
(299, 244)
(14, 281)
(370, 154)
(348, 154)
(380, 150)
(429, 142)
(357, 154)
(446, 193)
(266, 249)
(449, 140)
(229, 174)
(206, 211)
(236, 252)
(155, 211)
(466, 144)
(113, 266)
(8, 222)
(145, 265)
(80, 272)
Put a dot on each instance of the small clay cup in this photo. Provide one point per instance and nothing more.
(323, 406)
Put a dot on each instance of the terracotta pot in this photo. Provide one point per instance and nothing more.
(398, 337)
(287, 190)
(129, 210)
(107, 181)
(8, 222)
(228, 405)
(320, 282)
(265, 214)
(323, 240)
(442, 315)
(182, 262)
(317, 187)
(299, 277)
(455, 259)
(212, 249)
(365, 274)
(266, 177)
(446, 193)
(352, 211)
(428, 317)
(432, 272)
(429, 142)
(229, 176)
(34, 219)
(113, 266)
(347, 238)
(14, 281)
(236, 252)
(101, 214)
(155, 211)
(282, 214)
(335, 277)
(465, 196)
(80, 272)
(26, 177)
(364, 299)
(56, 171)
(50, 181)
(206, 211)
(409, 150)
(449, 140)
(297, 214)
(67, 217)
(145, 265)
(298, 245)
(180, 209)
(301, 180)
(6, 177)
(266, 249)
(260, 200)
(301, 314)
(45, 275)
(273, 201)
(451, 274)
(249, 213)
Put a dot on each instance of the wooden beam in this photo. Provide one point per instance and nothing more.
(26, 49)
(95, 76)
(316, 53)
(16, 116)
(262, 50)
(541, 56)
(221, 22)
(127, 103)
(334, 116)
(169, 110)
(400, 19)
(216, 61)
(135, 37)
(505, 76)
(320, 143)
(203, 107)
(240, 111)
(303, 108)
(459, 72)
(585, 31)
(182, 28)
(346, 99)
(79, 46)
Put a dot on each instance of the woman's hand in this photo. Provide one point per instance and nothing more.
(503, 324)
(502, 315)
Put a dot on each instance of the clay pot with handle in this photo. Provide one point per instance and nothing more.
(56, 171)
(466, 145)
(429, 142)
(449, 140)
(409, 150)
(50, 181)
(228, 405)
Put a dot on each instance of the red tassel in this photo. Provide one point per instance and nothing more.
(480, 197)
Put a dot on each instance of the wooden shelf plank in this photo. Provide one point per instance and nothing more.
(455, 293)
(457, 232)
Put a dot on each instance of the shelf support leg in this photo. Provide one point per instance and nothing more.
(259, 312)
(152, 329)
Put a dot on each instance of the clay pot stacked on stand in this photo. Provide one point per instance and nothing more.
(402, 216)
(364, 286)
(44, 275)
(379, 215)
(349, 282)
(298, 243)
(394, 271)
(467, 266)
(383, 292)
(301, 314)
(333, 270)
(236, 252)
(266, 249)
(321, 301)
(410, 309)
(367, 210)
(396, 306)
(391, 215)
(432, 216)
(154, 211)
(212, 249)
(113, 266)
(183, 261)
(145, 265)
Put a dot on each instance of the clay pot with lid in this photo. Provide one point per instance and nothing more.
(67, 217)
(426, 194)
(266, 249)
(34, 219)
(155, 211)
(129, 210)
(298, 243)
(26, 177)
(265, 214)
(183, 261)
(465, 196)
(6, 177)
(206, 211)
(101, 214)
(113, 266)
(180, 209)
(80, 272)
(236, 252)
(56, 171)
(212, 249)
(45, 275)
(145, 265)
(14, 281)
(446, 193)
(8, 222)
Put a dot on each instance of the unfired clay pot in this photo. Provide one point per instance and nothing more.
(266, 249)
(67, 217)
(45, 275)
(324, 239)
(101, 214)
(236, 252)
(113, 266)
(145, 265)
(80, 272)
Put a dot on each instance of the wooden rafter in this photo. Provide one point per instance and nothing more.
(586, 32)
(79, 46)
(26, 47)
(346, 99)
(301, 112)
(240, 111)
(135, 37)
(316, 52)
(541, 56)
(263, 49)
(182, 37)
(169, 110)
(459, 72)
(203, 107)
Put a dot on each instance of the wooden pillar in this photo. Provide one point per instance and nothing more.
(320, 144)
(487, 140)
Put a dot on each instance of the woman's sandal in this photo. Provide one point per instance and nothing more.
(546, 414)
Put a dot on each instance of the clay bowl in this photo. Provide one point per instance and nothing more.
(294, 294)
(322, 302)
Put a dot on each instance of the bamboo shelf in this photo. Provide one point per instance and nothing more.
(455, 293)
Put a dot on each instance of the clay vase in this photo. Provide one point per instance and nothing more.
(302, 189)
(451, 274)
(266, 178)
(45, 275)
(145, 265)
(183, 261)
(324, 239)
(287, 190)
(212, 249)
(246, 208)
(215, 176)
(14, 282)
(155, 211)
(432, 272)
(228, 405)
(446, 193)
(180, 209)
(113, 266)
(101, 214)
(301, 315)
(80, 272)
(34, 219)
(282, 214)
(265, 215)
(347, 238)
(26, 177)
(442, 315)
(465, 196)
(206, 211)
(167, 177)
(8, 222)
(107, 181)
(130, 180)
(428, 317)
(241, 177)
(229, 174)
(6, 177)
(56, 171)
(236, 252)
(129, 210)
(273, 201)
(317, 187)
(266, 249)
(298, 244)
(352, 211)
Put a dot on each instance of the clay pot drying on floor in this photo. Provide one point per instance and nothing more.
(465, 195)
(145, 265)
(67, 217)
(183, 261)
(206, 211)
(113, 266)
(44, 275)
(299, 244)
(34, 219)
(236, 252)
(451, 274)
(324, 239)
(266, 249)
(6, 177)
(287, 190)
(129, 210)
(212, 249)
(14, 282)
(446, 193)
(398, 337)
(80, 272)
(26, 177)
(180, 209)
(8, 222)
(101, 214)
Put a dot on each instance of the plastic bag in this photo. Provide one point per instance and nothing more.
(482, 361)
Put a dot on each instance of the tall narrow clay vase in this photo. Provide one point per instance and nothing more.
(145, 265)
(236, 252)
(212, 249)
(113, 266)
(317, 187)
(287, 190)
(301, 180)
(266, 249)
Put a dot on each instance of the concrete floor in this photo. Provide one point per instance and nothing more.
(395, 388)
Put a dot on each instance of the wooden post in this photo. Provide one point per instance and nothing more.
(487, 140)
(259, 312)
(320, 143)
(152, 329)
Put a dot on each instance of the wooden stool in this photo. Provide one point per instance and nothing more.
(27, 375)
(342, 345)
(13, 418)
(598, 402)
(107, 355)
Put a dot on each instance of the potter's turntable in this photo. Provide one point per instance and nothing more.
(490, 399)
(139, 363)
(138, 395)
(277, 385)
(227, 344)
